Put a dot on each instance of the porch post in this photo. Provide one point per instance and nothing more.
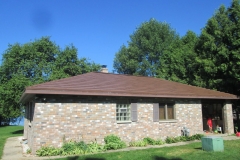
(228, 117)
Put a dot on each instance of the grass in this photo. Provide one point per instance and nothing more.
(6, 132)
(186, 152)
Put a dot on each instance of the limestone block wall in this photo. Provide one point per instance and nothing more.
(93, 121)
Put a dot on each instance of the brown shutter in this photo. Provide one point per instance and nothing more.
(134, 113)
(155, 112)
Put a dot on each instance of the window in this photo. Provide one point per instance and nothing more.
(163, 111)
(126, 112)
(123, 112)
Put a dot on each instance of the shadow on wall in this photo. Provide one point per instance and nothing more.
(163, 158)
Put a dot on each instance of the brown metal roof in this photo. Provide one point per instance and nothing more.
(106, 84)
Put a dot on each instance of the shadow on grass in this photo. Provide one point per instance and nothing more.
(18, 132)
(89, 158)
(163, 158)
(94, 159)
(198, 148)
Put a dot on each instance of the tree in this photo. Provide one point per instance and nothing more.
(156, 50)
(218, 51)
(146, 47)
(125, 62)
(189, 42)
(218, 48)
(67, 64)
(33, 63)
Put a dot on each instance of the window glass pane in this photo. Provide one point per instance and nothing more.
(170, 111)
(162, 111)
(123, 112)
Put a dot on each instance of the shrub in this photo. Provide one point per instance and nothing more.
(113, 142)
(48, 151)
(159, 142)
(183, 138)
(94, 147)
(198, 136)
(149, 141)
(169, 140)
(141, 143)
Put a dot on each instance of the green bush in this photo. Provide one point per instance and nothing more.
(94, 147)
(183, 138)
(159, 142)
(113, 142)
(169, 140)
(198, 136)
(49, 151)
(71, 148)
(149, 141)
(141, 143)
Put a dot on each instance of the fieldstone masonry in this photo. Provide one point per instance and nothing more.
(88, 121)
(228, 118)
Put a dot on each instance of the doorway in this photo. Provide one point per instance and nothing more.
(215, 112)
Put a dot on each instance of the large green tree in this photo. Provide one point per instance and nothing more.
(147, 45)
(33, 63)
(155, 49)
(218, 49)
(178, 62)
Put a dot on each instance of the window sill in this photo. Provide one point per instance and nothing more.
(119, 122)
(168, 121)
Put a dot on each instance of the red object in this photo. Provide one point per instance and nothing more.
(209, 122)
(238, 134)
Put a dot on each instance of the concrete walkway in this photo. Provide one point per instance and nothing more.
(14, 150)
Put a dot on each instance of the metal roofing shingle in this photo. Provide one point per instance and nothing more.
(106, 84)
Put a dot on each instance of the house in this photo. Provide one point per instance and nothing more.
(93, 105)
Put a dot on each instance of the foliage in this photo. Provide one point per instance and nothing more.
(140, 143)
(218, 51)
(183, 138)
(149, 141)
(29, 151)
(198, 136)
(186, 152)
(170, 140)
(159, 142)
(71, 148)
(6, 132)
(33, 63)
(113, 142)
(146, 141)
(48, 151)
(155, 49)
(94, 147)
(148, 44)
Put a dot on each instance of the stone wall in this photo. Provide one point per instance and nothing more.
(92, 120)
(228, 118)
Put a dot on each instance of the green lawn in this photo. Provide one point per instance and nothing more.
(191, 151)
(6, 132)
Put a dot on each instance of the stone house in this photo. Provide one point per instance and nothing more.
(92, 105)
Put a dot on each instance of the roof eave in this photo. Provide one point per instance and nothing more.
(30, 93)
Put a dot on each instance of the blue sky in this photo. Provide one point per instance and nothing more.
(97, 28)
